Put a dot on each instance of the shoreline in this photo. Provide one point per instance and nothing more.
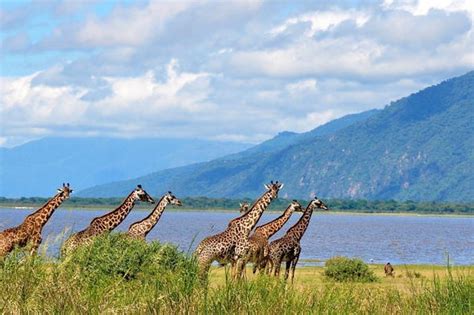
(330, 212)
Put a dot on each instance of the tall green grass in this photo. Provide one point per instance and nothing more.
(117, 274)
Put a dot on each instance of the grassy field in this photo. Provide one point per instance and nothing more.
(119, 275)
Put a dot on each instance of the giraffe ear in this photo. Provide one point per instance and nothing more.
(281, 186)
(266, 187)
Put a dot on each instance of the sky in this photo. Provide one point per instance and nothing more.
(219, 70)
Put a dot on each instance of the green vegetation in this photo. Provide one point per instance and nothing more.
(366, 206)
(346, 269)
(117, 274)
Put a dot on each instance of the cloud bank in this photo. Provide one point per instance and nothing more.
(240, 70)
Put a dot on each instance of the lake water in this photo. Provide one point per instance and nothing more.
(374, 238)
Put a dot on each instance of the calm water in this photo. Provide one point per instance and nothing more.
(374, 238)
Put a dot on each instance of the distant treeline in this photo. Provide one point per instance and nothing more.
(366, 206)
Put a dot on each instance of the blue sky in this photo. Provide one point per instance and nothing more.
(233, 70)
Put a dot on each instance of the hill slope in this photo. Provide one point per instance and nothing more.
(420, 147)
(38, 167)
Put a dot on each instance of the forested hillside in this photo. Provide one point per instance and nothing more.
(420, 147)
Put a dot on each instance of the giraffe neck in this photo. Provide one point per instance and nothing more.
(269, 229)
(150, 221)
(112, 219)
(300, 227)
(247, 221)
(42, 215)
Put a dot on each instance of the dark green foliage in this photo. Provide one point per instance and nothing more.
(118, 255)
(420, 147)
(346, 269)
(366, 206)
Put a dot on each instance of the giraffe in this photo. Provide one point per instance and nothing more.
(288, 247)
(141, 228)
(107, 222)
(232, 244)
(244, 207)
(259, 239)
(29, 232)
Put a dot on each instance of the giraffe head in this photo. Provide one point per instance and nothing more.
(274, 188)
(139, 194)
(296, 206)
(244, 207)
(316, 203)
(171, 199)
(65, 191)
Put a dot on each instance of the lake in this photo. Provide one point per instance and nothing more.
(400, 239)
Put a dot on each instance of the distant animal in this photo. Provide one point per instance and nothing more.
(107, 222)
(388, 269)
(141, 228)
(287, 249)
(29, 232)
(232, 244)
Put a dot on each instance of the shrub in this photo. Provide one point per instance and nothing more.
(347, 269)
(117, 255)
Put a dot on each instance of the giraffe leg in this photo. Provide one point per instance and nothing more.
(233, 267)
(34, 243)
(287, 269)
(255, 265)
(204, 264)
(277, 267)
(269, 266)
(293, 267)
(239, 266)
(262, 266)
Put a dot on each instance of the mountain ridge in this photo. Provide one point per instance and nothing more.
(419, 147)
(36, 168)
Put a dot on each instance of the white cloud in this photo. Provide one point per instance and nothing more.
(302, 86)
(130, 26)
(246, 71)
(323, 20)
(422, 7)
(44, 108)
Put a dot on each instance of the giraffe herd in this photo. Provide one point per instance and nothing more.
(239, 244)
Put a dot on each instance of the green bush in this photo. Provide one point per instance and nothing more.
(118, 255)
(346, 269)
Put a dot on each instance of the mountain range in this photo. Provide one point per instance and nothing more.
(38, 167)
(420, 147)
